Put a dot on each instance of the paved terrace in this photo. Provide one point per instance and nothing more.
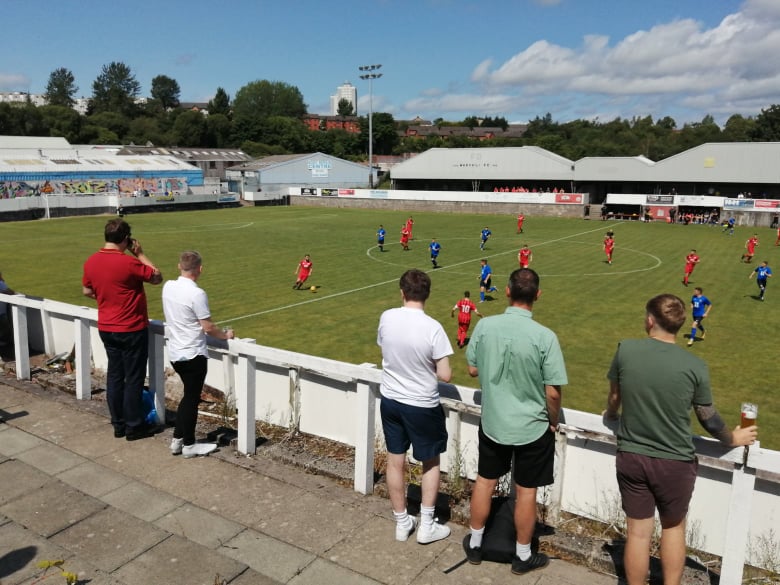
(129, 513)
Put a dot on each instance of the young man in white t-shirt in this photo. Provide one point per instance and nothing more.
(188, 321)
(415, 353)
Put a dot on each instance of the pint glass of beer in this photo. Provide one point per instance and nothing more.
(749, 414)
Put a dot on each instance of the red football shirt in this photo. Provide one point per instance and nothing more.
(465, 306)
(118, 282)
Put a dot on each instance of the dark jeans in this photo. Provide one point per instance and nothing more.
(193, 374)
(127, 356)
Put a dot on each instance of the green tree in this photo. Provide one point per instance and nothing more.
(61, 88)
(384, 133)
(220, 103)
(62, 121)
(738, 128)
(260, 100)
(345, 108)
(92, 134)
(218, 131)
(189, 129)
(767, 128)
(166, 91)
(115, 90)
(116, 123)
(289, 133)
(145, 130)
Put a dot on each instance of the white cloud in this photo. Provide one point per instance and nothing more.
(678, 66)
(14, 82)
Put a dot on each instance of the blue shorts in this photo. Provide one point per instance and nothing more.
(424, 429)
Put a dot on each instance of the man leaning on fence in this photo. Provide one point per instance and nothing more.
(521, 370)
(655, 384)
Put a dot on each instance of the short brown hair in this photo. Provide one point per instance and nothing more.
(523, 285)
(668, 311)
(416, 285)
(190, 260)
(117, 231)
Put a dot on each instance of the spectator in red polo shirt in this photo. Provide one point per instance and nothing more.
(116, 280)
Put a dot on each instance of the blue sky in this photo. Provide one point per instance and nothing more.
(588, 59)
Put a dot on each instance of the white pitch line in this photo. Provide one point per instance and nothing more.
(204, 227)
(377, 284)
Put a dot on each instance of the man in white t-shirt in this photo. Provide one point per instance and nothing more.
(415, 353)
(188, 321)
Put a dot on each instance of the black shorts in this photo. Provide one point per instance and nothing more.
(698, 319)
(533, 462)
(485, 283)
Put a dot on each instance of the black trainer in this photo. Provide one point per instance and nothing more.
(537, 560)
(474, 555)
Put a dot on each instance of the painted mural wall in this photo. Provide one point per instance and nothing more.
(125, 187)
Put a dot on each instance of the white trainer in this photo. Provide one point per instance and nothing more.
(198, 449)
(432, 533)
(176, 445)
(404, 531)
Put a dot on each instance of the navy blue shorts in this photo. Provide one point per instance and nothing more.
(533, 462)
(424, 429)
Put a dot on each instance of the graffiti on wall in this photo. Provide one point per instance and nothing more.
(127, 187)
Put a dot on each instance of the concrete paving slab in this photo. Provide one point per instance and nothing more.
(18, 478)
(94, 444)
(312, 523)
(322, 572)
(21, 552)
(250, 577)
(268, 556)
(199, 525)
(110, 539)
(177, 560)
(84, 571)
(93, 479)
(371, 549)
(50, 458)
(142, 501)
(15, 441)
(52, 508)
(10, 397)
(54, 421)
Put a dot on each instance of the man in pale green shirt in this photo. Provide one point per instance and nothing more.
(521, 370)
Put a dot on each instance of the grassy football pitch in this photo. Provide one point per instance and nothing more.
(251, 256)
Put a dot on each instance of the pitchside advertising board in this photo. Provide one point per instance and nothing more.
(770, 205)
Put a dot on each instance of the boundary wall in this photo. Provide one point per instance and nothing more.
(735, 509)
(540, 204)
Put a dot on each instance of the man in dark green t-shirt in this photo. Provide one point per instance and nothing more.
(657, 384)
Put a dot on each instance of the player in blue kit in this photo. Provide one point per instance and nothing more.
(486, 233)
(485, 276)
(700, 305)
(380, 238)
(435, 248)
(762, 273)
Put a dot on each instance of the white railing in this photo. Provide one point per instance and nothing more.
(734, 512)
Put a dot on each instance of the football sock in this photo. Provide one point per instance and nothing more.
(476, 537)
(426, 515)
(523, 551)
(693, 332)
(481, 295)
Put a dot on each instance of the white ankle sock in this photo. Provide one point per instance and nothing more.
(401, 517)
(523, 551)
(426, 515)
(476, 537)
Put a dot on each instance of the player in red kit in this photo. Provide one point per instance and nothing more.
(304, 271)
(777, 241)
(520, 220)
(405, 233)
(750, 249)
(691, 260)
(465, 307)
(609, 246)
(410, 226)
(524, 256)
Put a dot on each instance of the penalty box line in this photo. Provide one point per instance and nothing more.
(383, 283)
